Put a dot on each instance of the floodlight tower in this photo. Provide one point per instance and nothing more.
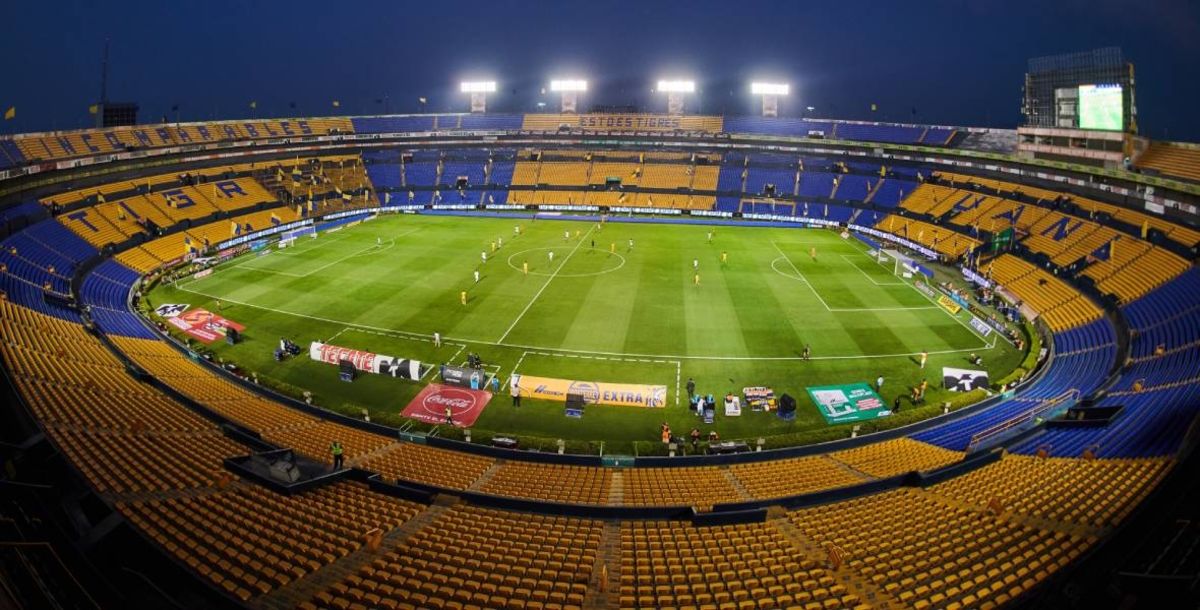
(478, 91)
(570, 88)
(770, 92)
(675, 89)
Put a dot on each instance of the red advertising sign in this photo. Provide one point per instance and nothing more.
(204, 325)
(464, 404)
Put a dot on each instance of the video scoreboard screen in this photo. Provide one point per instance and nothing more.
(1101, 107)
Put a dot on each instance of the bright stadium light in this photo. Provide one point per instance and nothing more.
(770, 88)
(677, 86)
(569, 90)
(478, 90)
(570, 84)
(770, 92)
(478, 86)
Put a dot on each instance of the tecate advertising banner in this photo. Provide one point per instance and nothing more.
(366, 361)
(594, 392)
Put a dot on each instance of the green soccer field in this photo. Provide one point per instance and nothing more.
(605, 312)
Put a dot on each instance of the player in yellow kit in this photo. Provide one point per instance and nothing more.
(525, 267)
(462, 297)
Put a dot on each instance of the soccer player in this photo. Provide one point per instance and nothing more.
(576, 233)
(437, 339)
(923, 358)
(724, 257)
(493, 247)
(378, 241)
(462, 297)
(812, 253)
(516, 230)
(695, 264)
(612, 248)
(525, 267)
(710, 235)
(500, 242)
(696, 279)
(476, 276)
(807, 351)
(630, 244)
(552, 257)
(566, 235)
(483, 256)
(593, 244)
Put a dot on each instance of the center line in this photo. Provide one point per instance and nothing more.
(543, 288)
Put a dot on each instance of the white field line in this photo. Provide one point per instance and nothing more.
(376, 247)
(952, 316)
(801, 276)
(650, 357)
(543, 288)
(844, 309)
(868, 276)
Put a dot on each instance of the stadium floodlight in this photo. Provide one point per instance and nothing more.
(677, 86)
(675, 90)
(478, 86)
(770, 88)
(478, 90)
(569, 84)
(569, 90)
(770, 92)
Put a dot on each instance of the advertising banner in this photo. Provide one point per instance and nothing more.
(203, 325)
(963, 380)
(462, 376)
(170, 310)
(593, 392)
(984, 328)
(430, 405)
(839, 404)
(369, 362)
(948, 304)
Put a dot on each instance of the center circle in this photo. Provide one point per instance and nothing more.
(551, 272)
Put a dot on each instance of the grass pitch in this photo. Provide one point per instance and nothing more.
(601, 309)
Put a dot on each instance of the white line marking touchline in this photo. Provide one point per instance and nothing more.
(424, 337)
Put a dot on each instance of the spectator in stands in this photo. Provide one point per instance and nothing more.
(335, 448)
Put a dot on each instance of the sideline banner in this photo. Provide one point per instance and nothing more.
(204, 325)
(963, 380)
(366, 361)
(431, 403)
(948, 304)
(839, 404)
(593, 392)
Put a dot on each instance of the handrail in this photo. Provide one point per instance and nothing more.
(1026, 416)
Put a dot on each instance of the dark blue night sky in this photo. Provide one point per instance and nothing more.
(956, 62)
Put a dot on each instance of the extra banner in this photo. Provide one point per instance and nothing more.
(369, 362)
(593, 392)
(963, 380)
(839, 404)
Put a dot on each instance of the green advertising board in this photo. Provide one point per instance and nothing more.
(839, 404)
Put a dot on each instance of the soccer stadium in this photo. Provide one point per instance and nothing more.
(602, 350)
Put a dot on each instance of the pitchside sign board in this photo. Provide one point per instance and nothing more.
(839, 404)
(366, 361)
(963, 380)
